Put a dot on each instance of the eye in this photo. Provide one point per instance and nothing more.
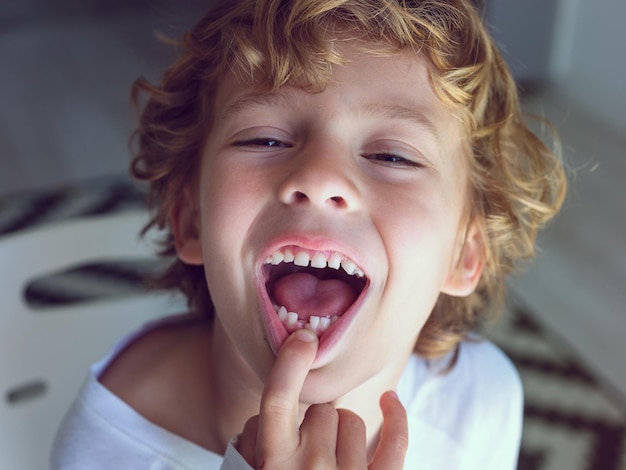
(262, 142)
(393, 160)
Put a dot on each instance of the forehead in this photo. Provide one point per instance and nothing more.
(399, 83)
(393, 90)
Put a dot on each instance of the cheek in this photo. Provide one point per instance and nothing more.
(229, 201)
(225, 222)
(419, 236)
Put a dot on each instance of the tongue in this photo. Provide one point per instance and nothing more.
(307, 295)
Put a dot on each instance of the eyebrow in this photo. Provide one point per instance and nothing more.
(386, 111)
(403, 113)
(256, 100)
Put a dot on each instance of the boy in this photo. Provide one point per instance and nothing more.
(344, 185)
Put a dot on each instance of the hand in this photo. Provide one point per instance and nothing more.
(327, 438)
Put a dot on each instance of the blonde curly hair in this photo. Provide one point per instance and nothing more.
(517, 183)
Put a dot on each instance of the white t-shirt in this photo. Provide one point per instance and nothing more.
(467, 418)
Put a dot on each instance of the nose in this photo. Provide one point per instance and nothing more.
(321, 179)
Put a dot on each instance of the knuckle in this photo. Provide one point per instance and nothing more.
(251, 427)
(324, 411)
(276, 405)
(317, 461)
(351, 419)
(309, 461)
(271, 459)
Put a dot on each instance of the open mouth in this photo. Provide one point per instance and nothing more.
(311, 289)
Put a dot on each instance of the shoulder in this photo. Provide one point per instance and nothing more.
(488, 381)
(167, 361)
(477, 402)
(141, 404)
(480, 370)
(497, 402)
(152, 352)
(486, 366)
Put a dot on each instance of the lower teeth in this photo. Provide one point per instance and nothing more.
(315, 323)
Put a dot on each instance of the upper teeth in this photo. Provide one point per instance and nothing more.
(317, 259)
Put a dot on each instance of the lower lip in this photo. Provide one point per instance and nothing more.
(277, 333)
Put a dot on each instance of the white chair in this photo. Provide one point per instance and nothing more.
(45, 355)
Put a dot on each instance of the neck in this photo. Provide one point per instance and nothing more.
(235, 389)
(236, 393)
(364, 401)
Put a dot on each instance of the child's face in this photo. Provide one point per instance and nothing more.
(371, 170)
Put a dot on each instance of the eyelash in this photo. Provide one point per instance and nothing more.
(394, 160)
(384, 158)
(267, 142)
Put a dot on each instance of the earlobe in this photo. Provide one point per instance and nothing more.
(185, 226)
(465, 274)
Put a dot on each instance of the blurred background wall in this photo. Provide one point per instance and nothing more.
(575, 45)
(65, 75)
(67, 66)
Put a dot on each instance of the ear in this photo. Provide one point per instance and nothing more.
(185, 226)
(468, 265)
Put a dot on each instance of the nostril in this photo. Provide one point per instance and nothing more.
(338, 201)
(302, 197)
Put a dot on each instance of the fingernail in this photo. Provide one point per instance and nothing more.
(304, 335)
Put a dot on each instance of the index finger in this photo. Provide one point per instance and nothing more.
(278, 417)
(394, 436)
